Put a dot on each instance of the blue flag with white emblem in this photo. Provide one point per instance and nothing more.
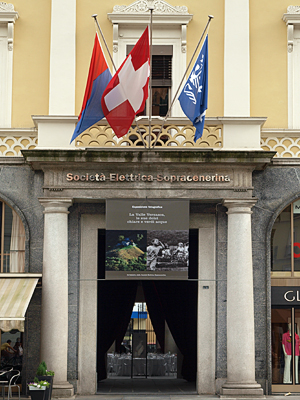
(193, 98)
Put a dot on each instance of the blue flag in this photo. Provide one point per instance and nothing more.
(193, 98)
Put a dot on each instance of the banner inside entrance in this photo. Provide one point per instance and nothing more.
(147, 239)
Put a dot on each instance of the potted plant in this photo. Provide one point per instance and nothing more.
(44, 374)
(37, 389)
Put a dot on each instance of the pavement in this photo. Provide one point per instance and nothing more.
(159, 389)
(137, 396)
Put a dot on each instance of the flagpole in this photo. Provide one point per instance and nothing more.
(151, 8)
(210, 17)
(114, 66)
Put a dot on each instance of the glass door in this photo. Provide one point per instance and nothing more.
(285, 349)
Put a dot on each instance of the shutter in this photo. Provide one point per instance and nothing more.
(162, 70)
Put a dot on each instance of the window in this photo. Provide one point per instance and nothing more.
(161, 80)
(12, 241)
(285, 242)
(168, 51)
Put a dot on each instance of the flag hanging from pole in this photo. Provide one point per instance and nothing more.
(193, 98)
(98, 78)
(126, 93)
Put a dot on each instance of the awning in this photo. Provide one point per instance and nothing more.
(15, 295)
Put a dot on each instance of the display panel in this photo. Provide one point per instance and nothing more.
(147, 239)
(281, 346)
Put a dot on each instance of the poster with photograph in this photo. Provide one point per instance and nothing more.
(147, 239)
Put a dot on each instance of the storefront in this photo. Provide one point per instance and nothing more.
(285, 300)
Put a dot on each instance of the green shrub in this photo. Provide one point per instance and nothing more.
(42, 368)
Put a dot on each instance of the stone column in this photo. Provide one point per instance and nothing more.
(240, 308)
(54, 329)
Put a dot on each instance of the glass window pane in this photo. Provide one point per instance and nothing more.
(17, 244)
(281, 346)
(160, 101)
(7, 237)
(281, 242)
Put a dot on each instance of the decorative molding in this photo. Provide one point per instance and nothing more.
(8, 13)
(172, 136)
(293, 9)
(11, 146)
(138, 12)
(8, 17)
(159, 7)
(6, 6)
(292, 20)
(285, 147)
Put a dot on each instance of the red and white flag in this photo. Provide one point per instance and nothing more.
(126, 93)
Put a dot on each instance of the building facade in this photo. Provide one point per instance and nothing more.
(241, 179)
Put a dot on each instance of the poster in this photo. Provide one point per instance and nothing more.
(147, 239)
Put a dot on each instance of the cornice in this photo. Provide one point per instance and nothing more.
(7, 12)
(292, 16)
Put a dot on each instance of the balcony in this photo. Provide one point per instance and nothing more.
(176, 133)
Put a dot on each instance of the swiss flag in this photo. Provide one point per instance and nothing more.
(126, 93)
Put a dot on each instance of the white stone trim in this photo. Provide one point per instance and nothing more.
(292, 20)
(55, 131)
(241, 133)
(169, 28)
(162, 12)
(236, 58)
(8, 16)
(87, 379)
(62, 58)
(206, 319)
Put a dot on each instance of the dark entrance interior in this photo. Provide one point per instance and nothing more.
(172, 302)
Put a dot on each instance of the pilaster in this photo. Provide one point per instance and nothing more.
(62, 58)
(236, 59)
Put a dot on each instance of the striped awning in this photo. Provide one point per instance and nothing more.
(15, 295)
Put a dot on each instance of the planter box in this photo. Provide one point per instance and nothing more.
(47, 378)
(37, 393)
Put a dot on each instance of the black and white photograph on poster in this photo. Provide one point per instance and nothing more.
(126, 250)
(147, 239)
(168, 250)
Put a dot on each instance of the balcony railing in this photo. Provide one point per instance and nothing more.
(174, 133)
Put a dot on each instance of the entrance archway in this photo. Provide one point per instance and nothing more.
(205, 226)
